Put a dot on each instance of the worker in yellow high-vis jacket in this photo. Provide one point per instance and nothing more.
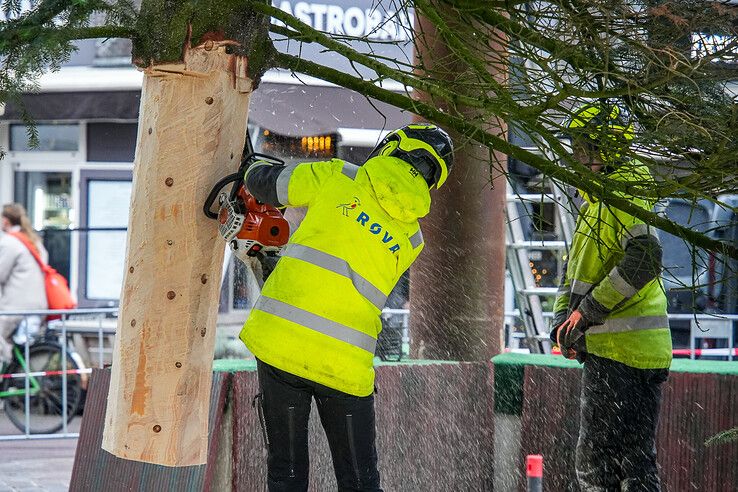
(610, 313)
(314, 328)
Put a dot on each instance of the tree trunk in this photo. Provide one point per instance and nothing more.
(191, 133)
(458, 313)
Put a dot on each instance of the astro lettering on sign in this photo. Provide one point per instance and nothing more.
(373, 22)
(377, 229)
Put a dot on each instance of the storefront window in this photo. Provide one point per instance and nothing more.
(235, 294)
(107, 220)
(225, 292)
(297, 149)
(51, 138)
(47, 196)
(240, 286)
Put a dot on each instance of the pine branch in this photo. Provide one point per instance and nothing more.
(73, 34)
(724, 437)
(40, 40)
(42, 14)
(453, 99)
(495, 143)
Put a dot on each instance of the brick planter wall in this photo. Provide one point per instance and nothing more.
(700, 399)
(434, 432)
(435, 429)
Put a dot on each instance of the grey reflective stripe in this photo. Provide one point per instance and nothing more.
(317, 323)
(564, 290)
(635, 231)
(416, 239)
(637, 323)
(339, 266)
(283, 184)
(350, 170)
(621, 285)
(580, 287)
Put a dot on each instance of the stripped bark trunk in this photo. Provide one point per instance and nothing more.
(191, 133)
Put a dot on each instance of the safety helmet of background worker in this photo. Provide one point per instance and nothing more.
(603, 125)
(426, 147)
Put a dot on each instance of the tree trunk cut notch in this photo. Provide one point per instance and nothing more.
(192, 125)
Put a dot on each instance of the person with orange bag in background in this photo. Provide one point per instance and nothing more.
(22, 281)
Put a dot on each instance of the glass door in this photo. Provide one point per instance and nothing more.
(105, 198)
(47, 197)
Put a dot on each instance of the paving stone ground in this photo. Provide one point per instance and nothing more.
(35, 465)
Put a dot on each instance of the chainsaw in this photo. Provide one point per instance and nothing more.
(250, 228)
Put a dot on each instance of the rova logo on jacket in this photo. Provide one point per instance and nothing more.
(376, 228)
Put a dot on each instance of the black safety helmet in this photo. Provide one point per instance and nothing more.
(426, 147)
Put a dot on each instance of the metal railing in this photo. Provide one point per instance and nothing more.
(394, 340)
(78, 340)
(56, 364)
(53, 374)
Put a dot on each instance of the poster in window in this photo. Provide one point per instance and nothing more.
(107, 207)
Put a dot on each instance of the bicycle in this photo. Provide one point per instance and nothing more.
(45, 386)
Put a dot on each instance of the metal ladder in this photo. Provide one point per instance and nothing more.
(527, 294)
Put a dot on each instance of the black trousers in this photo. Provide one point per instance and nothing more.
(617, 432)
(285, 401)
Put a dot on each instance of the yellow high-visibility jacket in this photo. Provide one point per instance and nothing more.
(613, 278)
(318, 316)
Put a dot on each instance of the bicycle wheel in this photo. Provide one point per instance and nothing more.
(46, 396)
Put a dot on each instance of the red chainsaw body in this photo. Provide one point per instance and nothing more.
(250, 226)
(263, 223)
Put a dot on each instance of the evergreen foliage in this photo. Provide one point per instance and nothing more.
(659, 58)
(723, 437)
(39, 40)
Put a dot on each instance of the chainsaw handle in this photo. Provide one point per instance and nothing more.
(248, 160)
(214, 194)
(237, 177)
(252, 157)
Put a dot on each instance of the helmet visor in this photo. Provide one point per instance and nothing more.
(418, 150)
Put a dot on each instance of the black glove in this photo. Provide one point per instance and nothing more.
(268, 264)
(570, 336)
